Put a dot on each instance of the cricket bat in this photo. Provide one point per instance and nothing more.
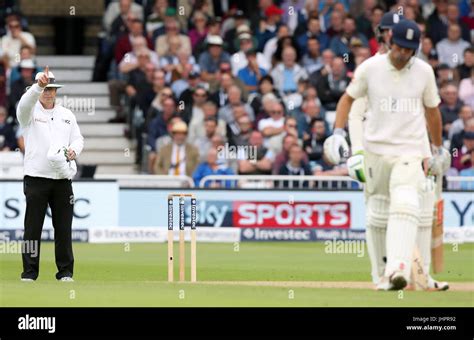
(419, 279)
(437, 259)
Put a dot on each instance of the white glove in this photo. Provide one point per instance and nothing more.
(336, 145)
(356, 166)
(440, 162)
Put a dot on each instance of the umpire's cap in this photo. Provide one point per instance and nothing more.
(52, 79)
(390, 19)
(406, 34)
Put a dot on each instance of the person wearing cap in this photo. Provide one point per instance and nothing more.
(239, 58)
(403, 108)
(52, 140)
(268, 27)
(239, 20)
(27, 71)
(210, 60)
(178, 157)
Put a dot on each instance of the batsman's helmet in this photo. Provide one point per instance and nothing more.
(406, 34)
(388, 20)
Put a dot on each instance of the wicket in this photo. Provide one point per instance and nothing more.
(182, 254)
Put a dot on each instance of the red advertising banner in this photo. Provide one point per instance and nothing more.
(288, 215)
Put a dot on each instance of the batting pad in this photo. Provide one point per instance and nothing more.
(376, 233)
(423, 238)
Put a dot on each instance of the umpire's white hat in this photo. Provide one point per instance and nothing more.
(52, 79)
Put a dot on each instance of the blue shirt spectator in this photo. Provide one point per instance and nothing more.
(213, 167)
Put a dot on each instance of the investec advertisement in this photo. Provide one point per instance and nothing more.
(95, 204)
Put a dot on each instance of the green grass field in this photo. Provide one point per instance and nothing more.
(115, 275)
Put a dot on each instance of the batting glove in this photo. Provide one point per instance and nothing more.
(356, 166)
(336, 146)
(440, 162)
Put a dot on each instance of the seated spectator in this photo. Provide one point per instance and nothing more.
(195, 110)
(268, 27)
(116, 15)
(27, 77)
(444, 76)
(332, 86)
(310, 110)
(437, 21)
(164, 139)
(327, 58)
(160, 93)
(464, 70)
(11, 43)
(265, 86)
(450, 107)
(313, 144)
(340, 44)
(239, 59)
(371, 27)
(234, 96)
(240, 25)
(197, 128)
(296, 166)
(286, 76)
(7, 133)
(172, 27)
(124, 43)
(271, 46)
(458, 138)
(313, 31)
(262, 163)
(199, 32)
(273, 126)
(212, 167)
(204, 143)
(468, 172)
(25, 54)
(452, 46)
(240, 135)
(312, 60)
(462, 158)
(185, 97)
(282, 158)
(453, 17)
(178, 157)
(176, 62)
(427, 49)
(251, 74)
(140, 83)
(156, 19)
(466, 90)
(465, 113)
(210, 60)
(219, 96)
(336, 24)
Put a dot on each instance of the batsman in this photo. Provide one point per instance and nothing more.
(402, 108)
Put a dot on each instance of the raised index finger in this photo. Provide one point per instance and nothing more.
(46, 71)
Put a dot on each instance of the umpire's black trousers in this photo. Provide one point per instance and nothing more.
(58, 194)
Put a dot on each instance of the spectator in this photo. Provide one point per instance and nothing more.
(336, 24)
(204, 143)
(125, 42)
(450, 50)
(450, 107)
(199, 32)
(265, 85)
(25, 54)
(368, 21)
(7, 133)
(241, 135)
(466, 90)
(240, 26)
(160, 93)
(178, 157)
(286, 76)
(271, 46)
(295, 166)
(444, 75)
(140, 83)
(129, 61)
(27, 77)
(437, 26)
(340, 44)
(212, 167)
(169, 61)
(273, 128)
(457, 140)
(251, 74)
(186, 95)
(11, 43)
(462, 158)
(327, 58)
(166, 138)
(427, 49)
(194, 114)
(117, 11)
(269, 26)
(331, 86)
(210, 60)
(313, 31)
(468, 172)
(234, 97)
(282, 158)
(313, 144)
(465, 113)
(262, 164)
(464, 70)
(311, 110)
(239, 59)
(162, 43)
(312, 60)
(156, 19)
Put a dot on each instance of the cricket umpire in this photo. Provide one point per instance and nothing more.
(52, 143)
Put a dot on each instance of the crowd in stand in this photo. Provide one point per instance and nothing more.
(192, 78)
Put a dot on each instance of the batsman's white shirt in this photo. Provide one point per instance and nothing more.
(43, 128)
(395, 123)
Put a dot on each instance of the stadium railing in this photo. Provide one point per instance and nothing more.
(148, 181)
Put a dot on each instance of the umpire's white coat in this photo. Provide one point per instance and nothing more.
(43, 128)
